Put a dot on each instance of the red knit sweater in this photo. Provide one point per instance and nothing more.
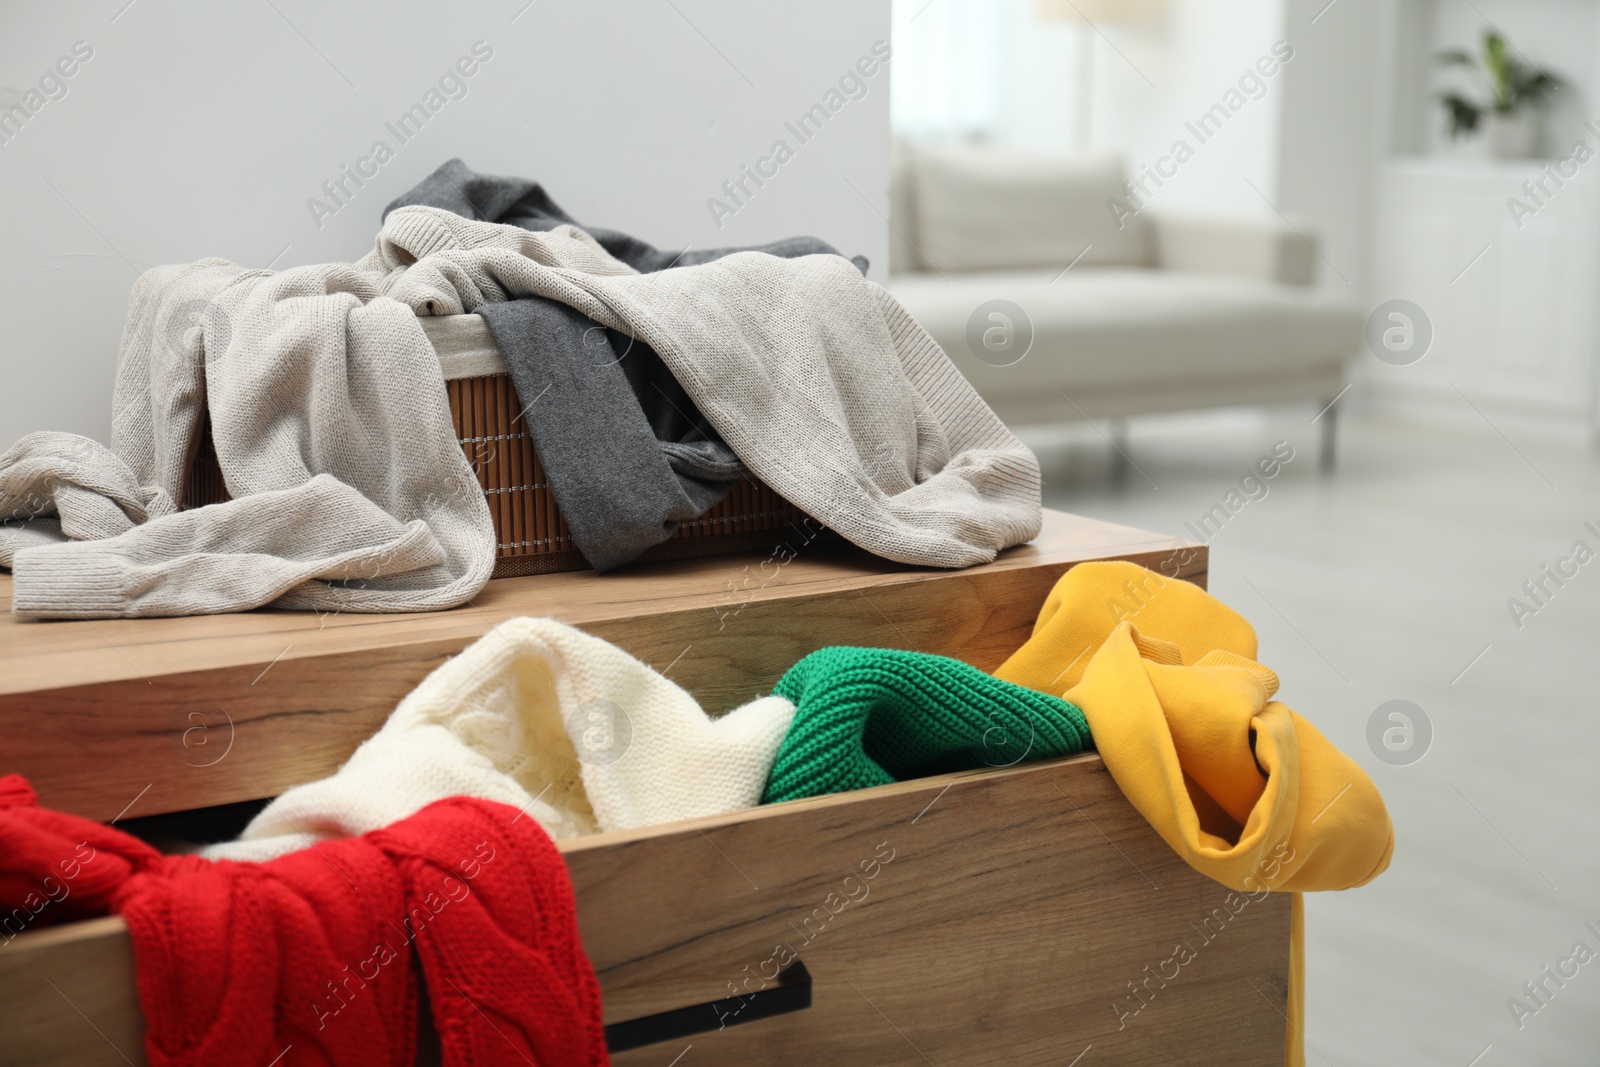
(309, 959)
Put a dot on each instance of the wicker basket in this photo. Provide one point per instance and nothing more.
(531, 536)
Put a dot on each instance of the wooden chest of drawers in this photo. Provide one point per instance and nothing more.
(1020, 915)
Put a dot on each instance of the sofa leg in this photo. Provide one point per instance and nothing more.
(1121, 464)
(1330, 439)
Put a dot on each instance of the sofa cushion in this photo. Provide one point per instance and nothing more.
(1099, 332)
(980, 209)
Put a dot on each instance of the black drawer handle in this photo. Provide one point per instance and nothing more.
(791, 993)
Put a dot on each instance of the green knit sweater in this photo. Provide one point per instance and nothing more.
(867, 716)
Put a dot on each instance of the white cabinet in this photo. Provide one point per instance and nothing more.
(1512, 301)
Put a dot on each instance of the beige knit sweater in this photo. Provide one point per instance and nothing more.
(335, 438)
(822, 384)
(334, 435)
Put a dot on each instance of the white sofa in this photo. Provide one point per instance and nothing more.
(1160, 313)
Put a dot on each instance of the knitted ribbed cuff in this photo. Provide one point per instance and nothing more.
(419, 233)
(66, 582)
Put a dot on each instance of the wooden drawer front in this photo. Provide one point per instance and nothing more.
(1025, 915)
(982, 917)
(67, 998)
(134, 717)
(1017, 907)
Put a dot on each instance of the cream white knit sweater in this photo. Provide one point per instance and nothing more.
(350, 490)
(554, 722)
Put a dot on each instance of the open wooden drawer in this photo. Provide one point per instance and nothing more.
(1020, 915)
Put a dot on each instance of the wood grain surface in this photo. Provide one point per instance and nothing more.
(135, 717)
(984, 917)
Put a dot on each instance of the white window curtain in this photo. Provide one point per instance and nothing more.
(947, 75)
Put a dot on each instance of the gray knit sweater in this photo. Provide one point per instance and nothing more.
(350, 489)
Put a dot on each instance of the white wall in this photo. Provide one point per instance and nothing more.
(1039, 97)
(1330, 132)
(1017, 83)
(202, 130)
(1150, 83)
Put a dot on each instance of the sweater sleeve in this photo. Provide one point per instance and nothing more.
(235, 556)
(60, 487)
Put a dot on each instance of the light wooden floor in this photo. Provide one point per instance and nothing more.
(1387, 581)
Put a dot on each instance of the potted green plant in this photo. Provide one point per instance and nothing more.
(1518, 93)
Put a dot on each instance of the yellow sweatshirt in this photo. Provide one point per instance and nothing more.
(1245, 790)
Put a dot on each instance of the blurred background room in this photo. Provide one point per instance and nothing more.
(1170, 237)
